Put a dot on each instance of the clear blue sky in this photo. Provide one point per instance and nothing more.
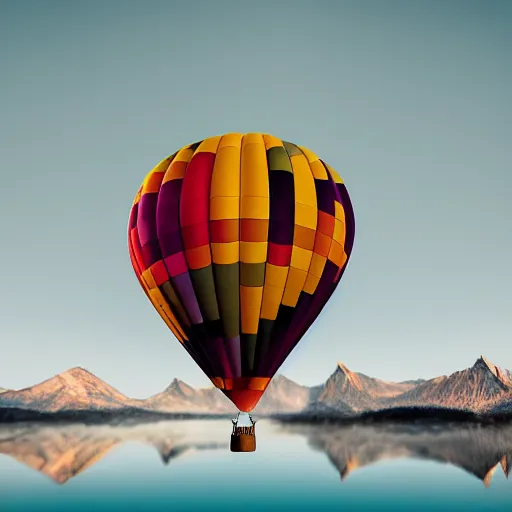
(409, 101)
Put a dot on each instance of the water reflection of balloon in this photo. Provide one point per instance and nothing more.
(238, 242)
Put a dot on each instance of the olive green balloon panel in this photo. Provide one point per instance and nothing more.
(238, 242)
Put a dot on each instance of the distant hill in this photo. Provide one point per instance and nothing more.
(179, 396)
(285, 395)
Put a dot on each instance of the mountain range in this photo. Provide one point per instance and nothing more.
(482, 388)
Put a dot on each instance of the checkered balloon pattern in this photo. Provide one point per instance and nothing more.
(239, 241)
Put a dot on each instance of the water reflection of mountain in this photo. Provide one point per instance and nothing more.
(477, 449)
(62, 452)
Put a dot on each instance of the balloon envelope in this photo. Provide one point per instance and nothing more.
(238, 242)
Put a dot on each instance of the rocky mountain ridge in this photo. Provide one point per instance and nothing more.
(478, 388)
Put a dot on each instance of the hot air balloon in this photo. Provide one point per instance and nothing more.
(238, 241)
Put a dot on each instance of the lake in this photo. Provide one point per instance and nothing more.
(187, 465)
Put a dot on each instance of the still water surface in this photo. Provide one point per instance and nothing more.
(187, 465)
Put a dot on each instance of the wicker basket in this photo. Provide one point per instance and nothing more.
(243, 439)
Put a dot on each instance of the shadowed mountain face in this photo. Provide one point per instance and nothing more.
(64, 452)
(477, 450)
(284, 395)
(504, 407)
(178, 397)
(481, 388)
